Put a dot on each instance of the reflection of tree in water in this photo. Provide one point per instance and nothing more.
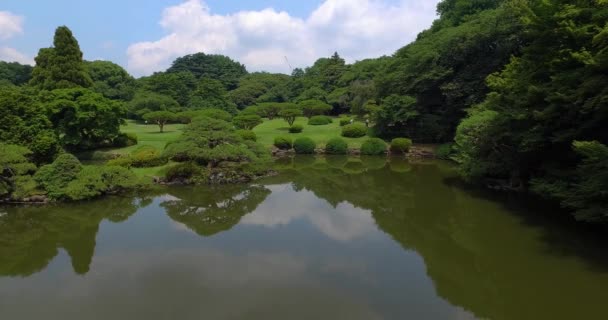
(480, 256)
(30, 237)
(210, 210)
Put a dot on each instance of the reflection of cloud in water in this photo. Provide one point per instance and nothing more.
(343, 223)
(192, 285)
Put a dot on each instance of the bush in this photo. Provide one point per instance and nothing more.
(94, 181)
(445, 151)
(142, 157)
(336, 146)
(319, 121)
(125, 140)
(186, 171)
(283, 143)
(296, 128)
(247, 135)
(304, 146)
(345, 121)
(401, 145)
(373, 147)
(355, 130)
(55, 177)
(247, 121)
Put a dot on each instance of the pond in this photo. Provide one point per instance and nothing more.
(333, 238)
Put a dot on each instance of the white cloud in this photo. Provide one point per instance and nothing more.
(10, 25)
(357, 29)
(12, 55)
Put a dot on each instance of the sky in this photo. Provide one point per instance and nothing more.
(145, 36)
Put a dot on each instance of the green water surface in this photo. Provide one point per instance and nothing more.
(333, 238)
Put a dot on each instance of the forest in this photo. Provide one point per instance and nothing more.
(515, 92)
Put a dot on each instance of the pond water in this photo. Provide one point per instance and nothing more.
(332, 238)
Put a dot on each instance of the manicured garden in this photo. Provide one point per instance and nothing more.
(320, 134)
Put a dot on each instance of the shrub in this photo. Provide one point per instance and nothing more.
(445, 151)
(247, 135)
(355, 130)
(283, 143)
(123, 161)
(247, 121)
(296, 128)
(290, 115)
(373, 147)
(125, 140)
(55, 177)
(344, 121)
(304, 146)
(336, 146)
(147, 157)
(314, 107)
(401, 145)
(319, 120)
(94, 181)
(186, 171)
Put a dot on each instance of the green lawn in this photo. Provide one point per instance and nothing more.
(149, 135)
(268, 130)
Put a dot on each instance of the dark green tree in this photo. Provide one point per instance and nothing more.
(218, 67)
(111, 80)
(61, 66)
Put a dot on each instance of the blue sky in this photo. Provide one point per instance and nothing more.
(145, 36)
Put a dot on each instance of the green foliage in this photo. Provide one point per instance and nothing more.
(210, 66)
(319, 120)
(312, 108)
(15, 73)
(247, 135)
(55, 177)
(395, 115)
(296, 128)
(283, 142)
(61, 67)
(94, 181)
(355, 130)
(24, 122)
(345, 121)
(125, 140)
(247, 121)
(82, 118)
(271, 110)
(336, 146)
(304, 145)
(211, 94)
(401, 145)
(187, 116)
(180, 86)
(290, 115)
(15, 164)
(445, 151)
(146, 102)
(260, 87)
(142, 157)
(188, 172)
(214, 142)
(161, 118)
(373, 147)
(111, 80)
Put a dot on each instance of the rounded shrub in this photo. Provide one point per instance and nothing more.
(373, 147)
(183, 171)
(296, 128)
(344, 122)
(304, 145)
(336, 146)
(125, 140)
(283, 143)
(247, 135)
(147, 157)
(319, 121)
(401, 145)
(445, 151)
(355, 130)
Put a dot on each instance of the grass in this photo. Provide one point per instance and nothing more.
(268, 130)
(149, 135)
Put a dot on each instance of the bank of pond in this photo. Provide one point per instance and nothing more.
(327, 237)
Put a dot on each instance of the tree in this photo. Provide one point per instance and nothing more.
(290, 115)
(211, 94)
(146, 102)
(161, 118)
(247, 121)
(314, 108)
(61, 66)
(218, 67)
(15, 73)
(180, 86)
(82, 118)
(14, 164)
(394, 115)
(111, 80)
(271, 110)
(24, 122)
